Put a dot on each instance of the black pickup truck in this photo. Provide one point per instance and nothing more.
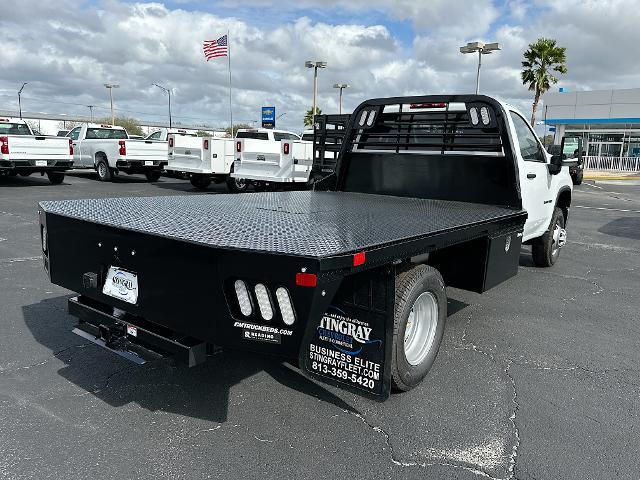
(350, 282)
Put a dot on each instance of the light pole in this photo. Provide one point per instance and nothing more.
(341, 86)
(315, 64)
(168, 92)
(19, 99)
(111, 86)
(90, 107)
(482, 49)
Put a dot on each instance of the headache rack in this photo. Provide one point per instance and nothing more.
(328, 135)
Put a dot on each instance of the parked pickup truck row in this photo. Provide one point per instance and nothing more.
(23, 153)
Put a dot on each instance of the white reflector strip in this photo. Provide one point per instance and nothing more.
(243, 298)
(484, 112)
(263, 302)
(286, 309)
(473, 112)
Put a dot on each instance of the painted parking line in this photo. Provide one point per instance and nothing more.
(609, 209)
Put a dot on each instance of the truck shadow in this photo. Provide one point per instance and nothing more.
(204, 392)
(30, 181)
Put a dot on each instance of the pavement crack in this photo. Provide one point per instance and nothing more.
(45, 361)
(516, 406)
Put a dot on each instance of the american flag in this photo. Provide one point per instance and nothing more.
(215, 48)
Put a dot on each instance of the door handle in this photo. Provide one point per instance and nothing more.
(531, 175)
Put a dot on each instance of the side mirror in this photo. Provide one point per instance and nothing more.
(556, 164)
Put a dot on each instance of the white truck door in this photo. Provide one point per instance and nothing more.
(535, 179)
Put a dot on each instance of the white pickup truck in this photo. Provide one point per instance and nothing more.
(268, 157)
(23, 153)
(109, 150)
(205, 160)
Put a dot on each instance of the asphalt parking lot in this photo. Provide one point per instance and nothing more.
(536, 379)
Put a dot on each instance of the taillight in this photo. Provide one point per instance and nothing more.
(171, 142)
(359, 258)
(4, 145)
(285, 149)
(427, 105)
(70, 147)
(206, 143)
(123, 147)
(306, 279)
(238, 147)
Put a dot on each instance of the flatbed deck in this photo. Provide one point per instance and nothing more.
(305, 224)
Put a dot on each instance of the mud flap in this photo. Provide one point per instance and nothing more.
(350, 344)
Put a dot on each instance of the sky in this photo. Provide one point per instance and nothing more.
(66, 50)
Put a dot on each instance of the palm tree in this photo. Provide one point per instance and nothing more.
(308, 119)
(542, 59)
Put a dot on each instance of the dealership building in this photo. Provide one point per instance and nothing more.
(607, 120)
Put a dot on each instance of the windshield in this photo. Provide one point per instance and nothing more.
(254, 135)
(285, 136)
(14, 129)
(105, 134)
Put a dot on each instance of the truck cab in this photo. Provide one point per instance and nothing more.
(109, 150)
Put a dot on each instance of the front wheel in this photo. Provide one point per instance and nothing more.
(237, 185)
(546, 249)
(419, 318)
(104, 172)
(577, 180)
(153, 176)
(55, 178)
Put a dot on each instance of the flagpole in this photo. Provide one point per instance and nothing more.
(229, 58)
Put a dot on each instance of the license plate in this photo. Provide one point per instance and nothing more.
(121, 284)
(260, 158)
(148, 163)
(41, 163)
(131, 330)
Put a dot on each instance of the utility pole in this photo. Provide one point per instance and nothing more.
(111, 86)
(90, 112)
(19, 99)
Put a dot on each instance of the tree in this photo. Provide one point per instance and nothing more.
(542, 59)
(203, 133)
(236, 126)
(129, 124)
(34, 125)
(68, 125)
(547, 140)
(308, 118)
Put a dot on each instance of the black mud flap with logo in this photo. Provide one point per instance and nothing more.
(350, 345)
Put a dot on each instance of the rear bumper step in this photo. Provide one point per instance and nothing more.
(131, 337)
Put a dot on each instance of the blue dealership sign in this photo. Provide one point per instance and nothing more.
(268, 117)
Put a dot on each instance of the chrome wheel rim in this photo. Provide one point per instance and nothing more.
(559, 238)
(420, 331)
(240, 183)
(102, 170)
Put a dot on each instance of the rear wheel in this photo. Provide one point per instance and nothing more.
(237, 185)
(104, 172)
(546, 249)
(200, 181)
(153, 176)
(419, 318)
(55, 178)
(577, 180)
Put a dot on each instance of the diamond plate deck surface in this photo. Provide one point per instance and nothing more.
(313, 224)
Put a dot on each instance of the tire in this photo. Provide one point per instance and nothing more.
(200, 181)
(237, 185)
(546, 249)
(104, 172)
(25, 174)
(153, 175)
(577, 180)
(55, 178)
(416, 342)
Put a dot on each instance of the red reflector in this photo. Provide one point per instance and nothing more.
(238, 147)
(206, 144)
(428, 105)
(359, 258)
(123, 147)
(4, 145)
(171, 141)
(285, 148)
(306, 279)
(70, 147)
